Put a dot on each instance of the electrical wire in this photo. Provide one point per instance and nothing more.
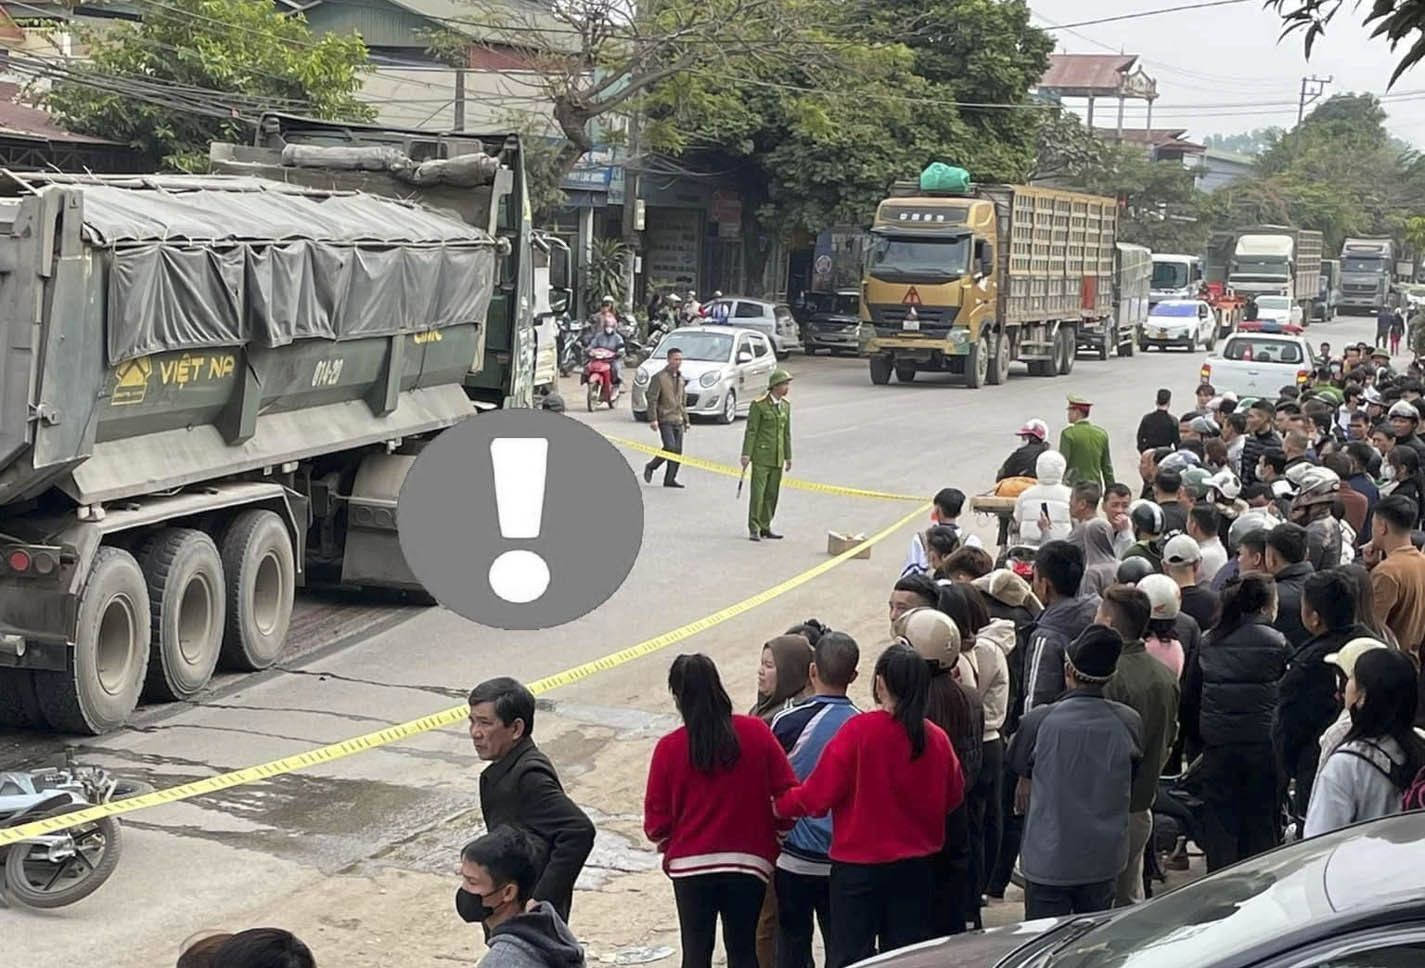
(1150, 13)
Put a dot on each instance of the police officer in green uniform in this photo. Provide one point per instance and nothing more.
(767, 446)
(1085, 447)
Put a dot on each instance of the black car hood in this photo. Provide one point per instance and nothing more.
(978, 949)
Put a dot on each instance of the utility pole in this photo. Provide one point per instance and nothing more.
(1311, 89)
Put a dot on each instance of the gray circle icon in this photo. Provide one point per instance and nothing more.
(520, 519)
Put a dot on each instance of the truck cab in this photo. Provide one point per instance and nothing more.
(1262, 265)
(1175, 277)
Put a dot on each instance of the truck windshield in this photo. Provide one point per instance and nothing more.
(1265, 267)
(908, 260)
(1362, 265)
(1170, 275)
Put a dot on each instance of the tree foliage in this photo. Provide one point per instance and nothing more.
(1252, 142)
(1339, 172)
(1402, 22)
(817, 142)
(195, 71)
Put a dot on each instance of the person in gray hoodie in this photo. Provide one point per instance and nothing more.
(499, 870)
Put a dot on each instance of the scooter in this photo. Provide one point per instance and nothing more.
(570, 345)
(598, 376)
(1020, 560)
(58, 869)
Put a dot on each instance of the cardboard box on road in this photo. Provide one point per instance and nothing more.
(837, 543)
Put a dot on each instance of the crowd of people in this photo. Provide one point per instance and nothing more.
(1246, 627)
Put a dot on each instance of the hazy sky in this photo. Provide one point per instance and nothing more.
(1223, 70)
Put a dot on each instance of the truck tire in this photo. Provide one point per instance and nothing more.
(261, 582)
(1110, 337)
(905, 374)
(1041, 367)
(187, 599)
(19, 704)
(109, 662)
(998, 371)
(880, 370)
(1126, 347)
(977, 364)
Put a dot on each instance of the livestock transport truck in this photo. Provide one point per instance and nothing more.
(970, 280)
(211, 390)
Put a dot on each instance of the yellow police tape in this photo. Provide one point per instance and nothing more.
(732, 471)
(447, 717)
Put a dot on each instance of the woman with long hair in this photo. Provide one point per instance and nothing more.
(707, 808)
(986, 643)
(1234, 681)
(1365, 776)
(883, 840)
(957, 710)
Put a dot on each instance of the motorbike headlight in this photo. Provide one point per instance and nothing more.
(709, 378)
(641, 376)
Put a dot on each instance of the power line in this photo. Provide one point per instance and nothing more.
(1149, 13)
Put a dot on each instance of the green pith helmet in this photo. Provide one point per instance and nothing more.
(778, 376)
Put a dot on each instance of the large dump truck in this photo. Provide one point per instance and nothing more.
(1277, 260)
(211, 390)
(970, 281)
(1367, 274)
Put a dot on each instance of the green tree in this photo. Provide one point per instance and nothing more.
(817, 143)
(1402, 22)
(1252, 142)
(196, 71)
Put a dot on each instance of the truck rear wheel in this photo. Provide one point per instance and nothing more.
(260, 577)
(905, 374)
(106, 668)
(185, 591)
(880, 370)
(19, 704)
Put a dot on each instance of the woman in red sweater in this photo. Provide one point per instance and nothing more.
(708, 808)
(889, 778)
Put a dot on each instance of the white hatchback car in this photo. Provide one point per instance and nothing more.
(1185, 323)
(726, 368)
(1280, 310)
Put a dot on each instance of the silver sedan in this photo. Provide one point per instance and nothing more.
(726, 368)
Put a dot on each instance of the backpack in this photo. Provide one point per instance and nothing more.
(1413, 798)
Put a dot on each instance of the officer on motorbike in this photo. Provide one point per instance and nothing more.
(607, 337)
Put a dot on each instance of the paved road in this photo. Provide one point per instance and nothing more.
(357, 856)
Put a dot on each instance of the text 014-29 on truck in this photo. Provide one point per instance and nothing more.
(966, 278)
(213, 387)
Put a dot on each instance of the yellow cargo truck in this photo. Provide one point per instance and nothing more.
(969, 281)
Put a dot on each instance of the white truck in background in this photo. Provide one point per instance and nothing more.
(1276, 260)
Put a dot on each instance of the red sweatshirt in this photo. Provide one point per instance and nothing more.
(884, 805)
(720, 822)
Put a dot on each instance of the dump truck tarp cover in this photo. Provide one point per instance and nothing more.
(227, 262)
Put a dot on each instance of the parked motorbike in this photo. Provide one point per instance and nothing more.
(58, 869)
(598, 376)
(1020, 560)
(570, 345)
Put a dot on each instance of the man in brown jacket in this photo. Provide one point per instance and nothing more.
(668, 415)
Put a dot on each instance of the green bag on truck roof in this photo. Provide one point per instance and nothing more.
(941, 177)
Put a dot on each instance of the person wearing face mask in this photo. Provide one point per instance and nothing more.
(608, 337)
(1382, 755)
(499, 872)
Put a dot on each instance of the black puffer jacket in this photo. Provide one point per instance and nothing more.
(1290, 582)
(1239, 672)
(1307, 704)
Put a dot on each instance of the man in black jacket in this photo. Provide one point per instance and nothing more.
(1306, 697)
(1286, 560)
(1158, 428)
(521, 789)
(1058, 572)
(1021, 462)
(1260, 438)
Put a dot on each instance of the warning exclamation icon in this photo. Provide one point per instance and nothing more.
(519, 575)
